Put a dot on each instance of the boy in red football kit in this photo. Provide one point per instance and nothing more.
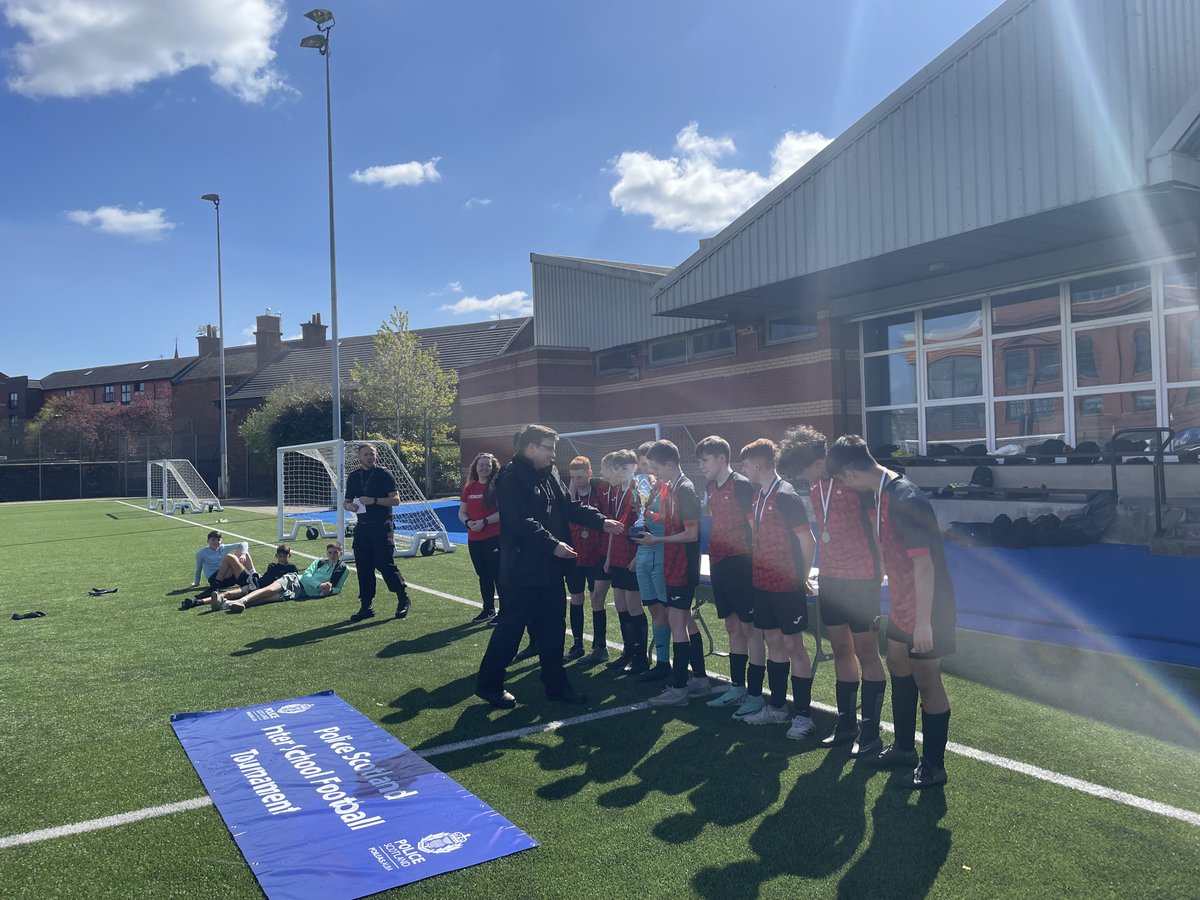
(730, 501)
(782, 556)
(849, 587)
(588, 574)
(620, 564)
(921, 608)
(679, 513)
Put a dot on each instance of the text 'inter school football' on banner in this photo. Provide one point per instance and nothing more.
(324, 803)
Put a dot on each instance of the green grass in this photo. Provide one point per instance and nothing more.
(648, 803)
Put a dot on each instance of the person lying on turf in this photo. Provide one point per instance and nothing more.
(276, 570)
(323, 578)
(222, 565)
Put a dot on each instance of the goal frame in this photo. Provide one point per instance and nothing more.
(409, 542)
(190, 502)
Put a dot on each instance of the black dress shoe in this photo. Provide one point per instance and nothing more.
(893, 758)
(924, 776)
(365, 613)
(482, 617)
(661, 672)
(866, 745)
(402, 607)
(500, 699)
(839, 737)
(576, 652)
(570, 695)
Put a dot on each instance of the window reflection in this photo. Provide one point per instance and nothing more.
(1026, 310)
(959, 425)
(1116, 354)
(895, 427)
(1098, 416)
(891, 379)
(1029, 364)
(891, 333)
(1180, 290)
(1182, 339)
(953, 323)
(954, 373)
(1025, 422)
(1119, 294)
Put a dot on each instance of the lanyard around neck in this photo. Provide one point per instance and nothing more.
(879, 502)
(761, 505)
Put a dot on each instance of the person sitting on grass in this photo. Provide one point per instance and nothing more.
(276, 570)
(222, 565)
(323, 578)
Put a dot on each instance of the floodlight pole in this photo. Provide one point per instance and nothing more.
(223, 480)
(323, 17)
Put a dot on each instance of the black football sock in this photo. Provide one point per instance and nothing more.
(679, 664)
(576, 625)
(904, 711)
(639, 633)
(754, 679)
(697, 656)
(623, 619)
(777, 678)
(847, 701)
(599, 628)
(872, 709)
(935, 727)
(802, 695)
(737, 669)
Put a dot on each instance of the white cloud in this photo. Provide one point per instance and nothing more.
(455, 286)
(514, 303)
(144, 224)
(690, 192)
(82, 48)
(399, 174)
(477, 201)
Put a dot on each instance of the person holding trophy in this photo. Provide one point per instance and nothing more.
(652, 582)
(621, 467)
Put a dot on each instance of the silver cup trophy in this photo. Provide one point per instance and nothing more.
(644, 489)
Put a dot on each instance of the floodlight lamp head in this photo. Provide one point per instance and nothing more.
(212, 198)
(320, 16)
(316, 42)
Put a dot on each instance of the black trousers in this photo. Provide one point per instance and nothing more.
(544, 608)
(485, 557)
(372, 551)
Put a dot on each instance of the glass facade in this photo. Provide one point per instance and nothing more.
(1074, 360)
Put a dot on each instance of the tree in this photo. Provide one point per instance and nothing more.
(67, 426)
(299, 412)
(405, 385)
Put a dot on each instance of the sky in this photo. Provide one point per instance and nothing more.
(466, 135)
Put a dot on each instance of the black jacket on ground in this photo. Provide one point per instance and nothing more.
(535, 515)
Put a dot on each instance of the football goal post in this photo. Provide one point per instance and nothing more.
(310, 497)
(174, 485)
(595, 444)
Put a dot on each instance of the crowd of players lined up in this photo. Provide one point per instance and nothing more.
(636, 530)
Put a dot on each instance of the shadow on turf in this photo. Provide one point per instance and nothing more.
(301, 638)
(1101, 686)
(434, 640)
(821, 827)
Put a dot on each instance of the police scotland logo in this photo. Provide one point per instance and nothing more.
(442, 842)
(293, 708)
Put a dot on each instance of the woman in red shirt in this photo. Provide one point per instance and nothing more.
(477, 510)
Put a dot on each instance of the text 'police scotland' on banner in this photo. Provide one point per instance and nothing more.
(324, 803)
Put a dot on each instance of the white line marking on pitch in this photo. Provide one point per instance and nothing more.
(1002, 762)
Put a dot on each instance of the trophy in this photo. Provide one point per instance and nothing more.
(643, 489)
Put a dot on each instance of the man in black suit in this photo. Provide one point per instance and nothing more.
(535, 556)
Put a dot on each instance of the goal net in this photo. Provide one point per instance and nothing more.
(310, 497)
(595, 444)
(174, 485)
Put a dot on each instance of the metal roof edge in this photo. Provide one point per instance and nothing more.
(633, 271)
(1002, 13)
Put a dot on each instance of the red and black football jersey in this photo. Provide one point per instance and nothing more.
(778, 517)
(850, 551)
(730, 504)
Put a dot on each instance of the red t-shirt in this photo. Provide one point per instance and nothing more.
(590, 543)
(680, 506)
(778, 517)
(624, 509)
(850, 551)
(909, 529)
(730, 504)
(478, 508)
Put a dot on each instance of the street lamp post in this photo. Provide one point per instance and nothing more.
(324, 21)
(223, 480)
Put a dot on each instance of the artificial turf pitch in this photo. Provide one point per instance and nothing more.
(648, 803)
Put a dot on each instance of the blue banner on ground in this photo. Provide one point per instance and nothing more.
(324, 803)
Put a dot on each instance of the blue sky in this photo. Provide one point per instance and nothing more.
(466, 135)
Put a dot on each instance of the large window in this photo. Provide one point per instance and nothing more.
(617, 361)
(790, 328)
(13, 400)
(1075, 360)
(709, 343)
(126, 393)
(109, 393)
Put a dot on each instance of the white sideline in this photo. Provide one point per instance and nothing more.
(1071, 783)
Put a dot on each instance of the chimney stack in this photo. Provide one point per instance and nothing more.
(312, 333)
(268, 337)
(208, 343)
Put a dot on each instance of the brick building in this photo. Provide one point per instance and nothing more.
(1002, 251)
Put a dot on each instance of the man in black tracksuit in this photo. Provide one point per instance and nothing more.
(535, 556)
(371, 492)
